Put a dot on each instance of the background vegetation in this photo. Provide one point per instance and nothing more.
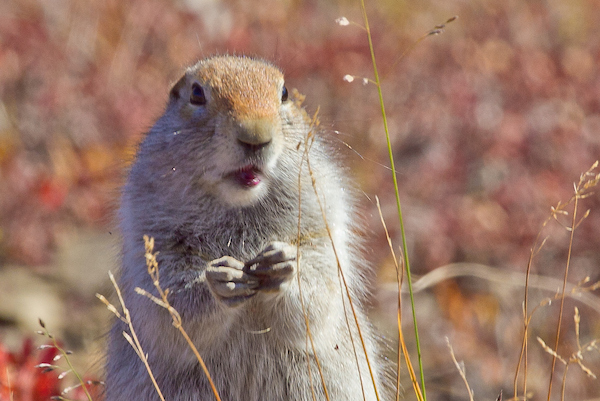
(491, 122)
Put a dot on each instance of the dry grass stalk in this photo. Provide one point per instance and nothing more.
(437, 30)
(582, 189)
(461, 369)
(402, 349)
(399, 279)
(309, 338)
(163, 301)
(419, 391)
(132, 338)
(576, 356)
(307, 145)
(47, 367)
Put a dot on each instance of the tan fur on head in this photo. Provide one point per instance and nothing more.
(234, 85)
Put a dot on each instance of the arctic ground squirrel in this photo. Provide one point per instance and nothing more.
(221, 182)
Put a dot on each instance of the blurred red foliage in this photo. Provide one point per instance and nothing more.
(21, 379)
(26, 375)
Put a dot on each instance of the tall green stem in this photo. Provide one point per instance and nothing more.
(391, 156)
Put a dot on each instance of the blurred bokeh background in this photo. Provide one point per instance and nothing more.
(491, 123)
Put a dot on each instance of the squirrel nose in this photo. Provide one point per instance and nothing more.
(256, 133)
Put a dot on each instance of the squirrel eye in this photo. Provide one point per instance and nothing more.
(284, 94)
(197, 97)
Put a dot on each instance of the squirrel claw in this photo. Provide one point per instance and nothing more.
(232, 282)
(228, 282)
(273, 266)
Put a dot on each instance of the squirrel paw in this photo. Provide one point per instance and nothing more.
(228, 282)
(273, 266)
(232, 282)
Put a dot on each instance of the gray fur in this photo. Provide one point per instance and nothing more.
(255, 346)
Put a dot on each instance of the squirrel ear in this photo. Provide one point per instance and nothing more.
(175, 90)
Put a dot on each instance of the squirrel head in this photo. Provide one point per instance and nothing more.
(247, 91)
(235, 120)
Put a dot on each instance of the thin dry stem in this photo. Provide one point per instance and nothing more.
(65, 355)
(133, 339)
(564, 383)
(461, 370)
(163, 301)
(575, 357)
(341, 274)
(399, 279)
(565, 279)
(349, 78)
(550, 351)
(582, 189)
(362, 385)
(377, 81)
(438, 29)
(523, 352)
(409, 366)
(309, 338)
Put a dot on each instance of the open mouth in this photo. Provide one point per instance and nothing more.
(248, 176)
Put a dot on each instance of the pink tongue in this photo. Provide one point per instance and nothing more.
(248, 177)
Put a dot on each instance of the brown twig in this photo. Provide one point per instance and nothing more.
(342, 276)
(587, 180)
(163, 301)
(309, 338)
(402, 350)
(582, 189)
(461, 369)
(132, 338)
